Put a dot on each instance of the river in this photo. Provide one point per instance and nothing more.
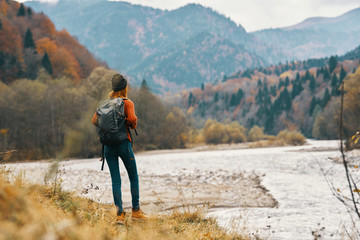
(274, 193)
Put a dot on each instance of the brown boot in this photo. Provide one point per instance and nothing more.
(137, 214)
(120, 219)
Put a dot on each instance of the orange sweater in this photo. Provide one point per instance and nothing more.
(131, 118)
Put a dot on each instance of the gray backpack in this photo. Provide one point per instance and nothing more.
(112, 127)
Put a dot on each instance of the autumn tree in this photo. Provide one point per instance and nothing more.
(256, 133)
(352, 104)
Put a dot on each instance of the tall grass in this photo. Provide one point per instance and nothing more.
(32, 211)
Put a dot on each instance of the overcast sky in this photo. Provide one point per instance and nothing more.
(259, 14)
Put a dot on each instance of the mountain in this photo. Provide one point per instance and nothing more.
(202, 58)
(144, 42)
(347, 22)
(29, 42)
(316, 37)
(131, 37)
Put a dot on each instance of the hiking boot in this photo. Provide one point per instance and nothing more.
(137, 214)
(120, 219)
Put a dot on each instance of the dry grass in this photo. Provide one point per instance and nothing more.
(30, 211)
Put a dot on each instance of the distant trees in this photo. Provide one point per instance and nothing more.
(44, 117)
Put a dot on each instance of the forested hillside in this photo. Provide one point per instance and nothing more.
(297, 95)
(29, 42)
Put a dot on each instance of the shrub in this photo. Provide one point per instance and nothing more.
(291, 137)
(255, 134)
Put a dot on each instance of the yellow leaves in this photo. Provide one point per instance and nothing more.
(356, 190)
(4, 131)
(355, 138)
(338, 190)
(356, 166)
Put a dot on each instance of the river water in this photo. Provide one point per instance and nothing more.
(305, 205)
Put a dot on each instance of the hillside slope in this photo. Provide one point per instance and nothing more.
(29, 42)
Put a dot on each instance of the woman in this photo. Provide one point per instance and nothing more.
(124, 151)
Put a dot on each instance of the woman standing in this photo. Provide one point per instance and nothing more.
(124, 151)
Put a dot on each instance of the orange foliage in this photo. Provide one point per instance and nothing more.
(48, 27)
(65, 63)
(3, 8)
(46, 45)
(11, 40)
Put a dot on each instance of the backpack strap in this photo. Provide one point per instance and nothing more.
(102, 156)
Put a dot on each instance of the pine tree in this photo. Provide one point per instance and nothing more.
(29, 41)
(202, 86)
(332, 63)
(287, 101)
(334, 81)
(327, 75)
(281, 83)
(325, 98)
(307, 75)
(29, 12)
(312, 105)
(46, 63)
(312, 84)
(335, 84)
(21, 11)
(287, 81)
(0, 24)
(342, 74)
(191, 99)
(144, 85)
(216, 97)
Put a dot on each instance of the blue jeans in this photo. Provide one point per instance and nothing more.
(125, 152)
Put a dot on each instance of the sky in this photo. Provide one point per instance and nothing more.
(260, 14)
